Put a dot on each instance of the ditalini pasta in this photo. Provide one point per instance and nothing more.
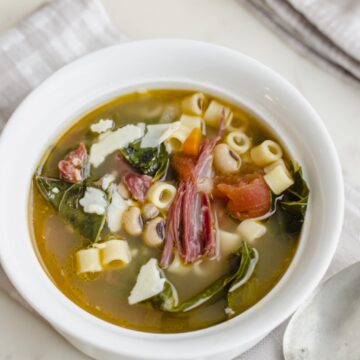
(110, 254)
(266, 153)
(278, 179)
(250, 230)
(238, 141)
(191, 122)
(276, 163)
(161, 194)
(215, 113)
(230, 242)
(88, 261)
(176, 140)
(115, 253)
(160, 210)
(187, 124)
(193, 104)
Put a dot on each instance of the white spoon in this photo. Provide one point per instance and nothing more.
(327, 327)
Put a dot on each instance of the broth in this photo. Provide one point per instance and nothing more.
(105, 294)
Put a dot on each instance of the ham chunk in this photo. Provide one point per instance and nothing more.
(138, 185)
(72, 167)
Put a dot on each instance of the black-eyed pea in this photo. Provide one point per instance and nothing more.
(132, 221)
(149, 211)
(226, 161)
(123, 191)
(154, 232)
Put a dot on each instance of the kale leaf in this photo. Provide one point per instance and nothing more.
(245, 260)
(294, 201)
(65, 197)
(149, 161)
(249, 259)
(52, 189)
(88, 225)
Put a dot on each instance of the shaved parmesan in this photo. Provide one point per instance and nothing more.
(115, 140)
(107, 180)
(94, 201)
(148, 283)
(157, 134)
(102, 126)
(116, 209)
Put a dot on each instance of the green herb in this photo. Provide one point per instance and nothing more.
(149, 161)
(167, 300)
(249, 259)
(295, 200)
(247, 256)
(52, 189)
(66, 202)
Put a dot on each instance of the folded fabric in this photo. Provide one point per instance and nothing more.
(54, 35)
(327, 31)
(51, 37)
(39, 45)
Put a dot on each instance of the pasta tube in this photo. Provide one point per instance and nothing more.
(161, 194)
(266, 153)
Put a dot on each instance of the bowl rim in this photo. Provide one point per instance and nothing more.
(338, 198)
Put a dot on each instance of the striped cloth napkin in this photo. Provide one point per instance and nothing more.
(327, 31)
(52, 37)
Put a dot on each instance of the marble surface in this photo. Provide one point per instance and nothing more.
(23, 335)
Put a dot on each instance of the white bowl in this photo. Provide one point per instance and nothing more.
(92, 80)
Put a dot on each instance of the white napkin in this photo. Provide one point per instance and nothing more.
(52, 37)
(327, 31)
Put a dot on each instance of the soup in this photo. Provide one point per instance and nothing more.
(167, 211)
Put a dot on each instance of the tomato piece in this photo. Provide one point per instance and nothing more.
(248, 195)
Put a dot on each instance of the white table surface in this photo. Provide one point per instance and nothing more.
(24, 336)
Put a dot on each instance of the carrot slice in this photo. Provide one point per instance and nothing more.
(191, 145)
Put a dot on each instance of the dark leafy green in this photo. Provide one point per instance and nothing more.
(247, 255)
(167, 300)
(248, 262)
(88, 225)
(66, 202)
(295, 200)
(47, 187)
(149, 161)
